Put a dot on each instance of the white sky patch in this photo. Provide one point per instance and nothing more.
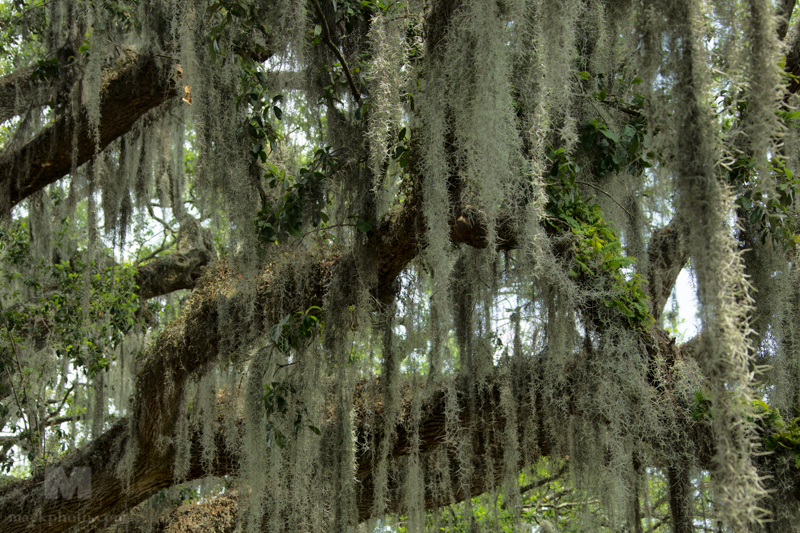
(686, 292)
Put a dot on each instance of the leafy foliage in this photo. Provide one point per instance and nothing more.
(597, 252)
(302, 196)
(778, 434)
(88, 321)
(277, 402)
(293, 331)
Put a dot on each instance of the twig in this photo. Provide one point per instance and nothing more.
(22, 14)
(66, 395)
(326, 36)
(315, 230)
(592, 185)
(617, 104)
(11, 379)
(568, 504)
(63, 419)
(612, 100)
(160, 220)
(164, 246)
(544, 481)
(13, 440)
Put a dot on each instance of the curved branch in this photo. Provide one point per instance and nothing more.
(326, 36)
(130, 90)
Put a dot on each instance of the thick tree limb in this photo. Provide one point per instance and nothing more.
(19, 91)
(152, 471)
(129, 91)
(186, 349)
(432, 431)
(180, 269)
(172, 272)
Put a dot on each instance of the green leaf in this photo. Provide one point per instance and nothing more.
(623, 308)
(571, 221)
(756, 215)
(278, 112)
(363, 225)
(610, 134)
(585, 267)
(633, 146)
(295, 231)
(318, 30)
(637, 80)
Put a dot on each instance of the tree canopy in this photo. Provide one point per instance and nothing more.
(342, 265)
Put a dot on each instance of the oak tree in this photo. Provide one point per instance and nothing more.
(357, 259)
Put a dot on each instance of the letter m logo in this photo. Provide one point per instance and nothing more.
(79, 483)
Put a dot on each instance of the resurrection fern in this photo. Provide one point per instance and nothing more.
(596, 249)
(777, 433)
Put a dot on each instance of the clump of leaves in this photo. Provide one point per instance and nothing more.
(778, 434)
(701, 407)
(243, 21)
(615, 150)
(770, 207)
(86, 337)
(597, 249)
(765, 193)
(292, 331)
(302, 196)
(277, 401)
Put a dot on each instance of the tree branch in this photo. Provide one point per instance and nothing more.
(130, 90)
(783, 12)
(668, 253)
(187, 347)
(326, 37)
(20, 92)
